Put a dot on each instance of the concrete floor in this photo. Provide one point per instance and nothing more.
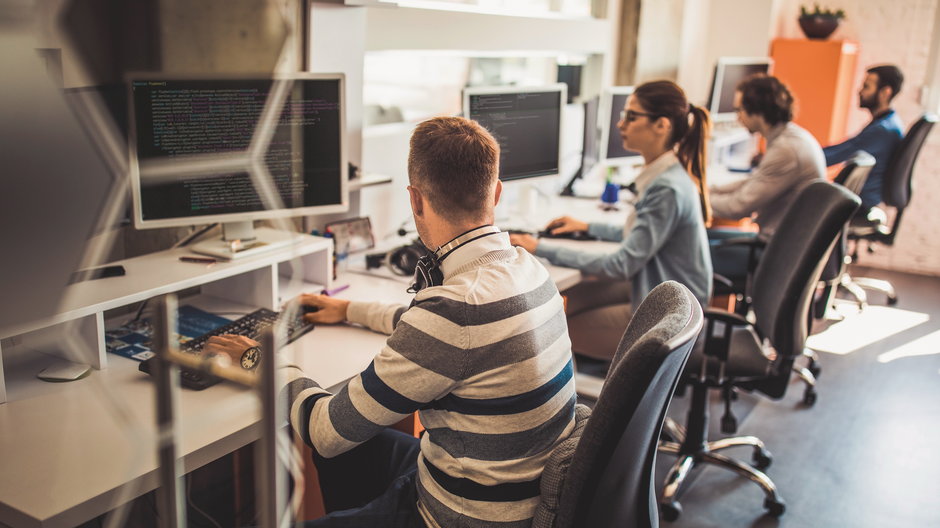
(866, 454)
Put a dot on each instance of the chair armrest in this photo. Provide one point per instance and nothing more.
(718, 344)
(715, 315)
(718, 278)
(755, 242)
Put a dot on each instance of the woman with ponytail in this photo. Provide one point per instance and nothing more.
(664, 238)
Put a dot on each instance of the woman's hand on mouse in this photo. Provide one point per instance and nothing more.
(565, 224)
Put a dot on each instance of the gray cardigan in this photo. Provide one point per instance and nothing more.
(666, 242)
(793, 160)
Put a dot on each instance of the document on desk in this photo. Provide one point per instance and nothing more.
(133, 340)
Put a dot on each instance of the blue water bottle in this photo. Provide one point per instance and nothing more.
(611, 193)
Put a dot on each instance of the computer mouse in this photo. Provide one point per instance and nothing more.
(309, 308)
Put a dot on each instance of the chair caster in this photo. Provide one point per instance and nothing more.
(761, 459)
(775, 508)
(729, 424)
(809, 397)
(670, 511)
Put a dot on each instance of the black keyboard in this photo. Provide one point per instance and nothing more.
(251, 325)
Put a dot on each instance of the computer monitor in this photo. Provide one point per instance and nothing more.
(612, 151)
(590, 149)
(590, 141)
(729, 72)
(526, 121)
(191, 146)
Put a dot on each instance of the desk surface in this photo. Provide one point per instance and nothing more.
(71, 454)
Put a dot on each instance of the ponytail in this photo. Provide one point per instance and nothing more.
(691, 152)
(691, 126)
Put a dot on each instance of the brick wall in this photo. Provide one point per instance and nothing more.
(899, 32)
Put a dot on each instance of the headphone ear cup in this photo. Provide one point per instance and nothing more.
(403, 260)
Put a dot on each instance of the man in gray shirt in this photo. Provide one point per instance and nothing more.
(792, 160)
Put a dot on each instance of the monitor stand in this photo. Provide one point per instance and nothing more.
(241, 239)
(522, 206)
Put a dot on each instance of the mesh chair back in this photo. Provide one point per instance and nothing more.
(610, 480)
(898, 175)
(791, 265)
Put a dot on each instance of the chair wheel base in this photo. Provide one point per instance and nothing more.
(761, 459)
(670, 511)
(809, 397)
(775, 508)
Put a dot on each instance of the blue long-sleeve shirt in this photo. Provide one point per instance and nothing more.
(667, 240)
(879, 138)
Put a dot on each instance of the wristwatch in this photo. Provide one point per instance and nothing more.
(250, 358)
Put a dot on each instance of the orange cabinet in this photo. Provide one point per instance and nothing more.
(821, 76)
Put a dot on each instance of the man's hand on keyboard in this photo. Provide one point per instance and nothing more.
(328, 309)
(229, 345)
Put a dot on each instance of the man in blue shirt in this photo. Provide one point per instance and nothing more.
(880, 137)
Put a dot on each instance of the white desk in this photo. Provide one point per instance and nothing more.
(70, 452)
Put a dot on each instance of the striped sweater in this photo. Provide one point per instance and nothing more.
(486, 361)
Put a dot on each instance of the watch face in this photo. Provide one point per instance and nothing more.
(250, 358)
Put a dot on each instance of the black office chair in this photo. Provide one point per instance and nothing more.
(603, 475)
(852, 176)
(739, 355)
(873, 227)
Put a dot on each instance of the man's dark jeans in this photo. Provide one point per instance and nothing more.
(371, 485)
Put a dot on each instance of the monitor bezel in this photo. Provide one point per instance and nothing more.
(242, 216)
(560, 88)
(606, 109)
(718, 80)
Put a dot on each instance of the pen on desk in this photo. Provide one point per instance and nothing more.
(200, 260)
(334, 291)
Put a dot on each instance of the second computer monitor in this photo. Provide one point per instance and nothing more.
(729, 72)
(526, 121)
(612, 151)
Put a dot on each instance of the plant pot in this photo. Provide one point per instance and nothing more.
(818, 27)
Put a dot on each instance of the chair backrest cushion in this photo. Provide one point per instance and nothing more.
(610, 478)
(852, 176)
(792, 262)
(898, 175)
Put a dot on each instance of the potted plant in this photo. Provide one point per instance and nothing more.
(819, 23)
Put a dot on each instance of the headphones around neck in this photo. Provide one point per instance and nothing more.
(424, 264)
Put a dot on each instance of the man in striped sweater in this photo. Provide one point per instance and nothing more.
(482, 354)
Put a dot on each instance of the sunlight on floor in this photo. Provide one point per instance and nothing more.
(860, 329)
(924, 346)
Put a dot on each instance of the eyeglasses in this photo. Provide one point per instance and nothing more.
(631, 115)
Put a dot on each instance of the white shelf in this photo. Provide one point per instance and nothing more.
(412, 28)
(76, 330)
